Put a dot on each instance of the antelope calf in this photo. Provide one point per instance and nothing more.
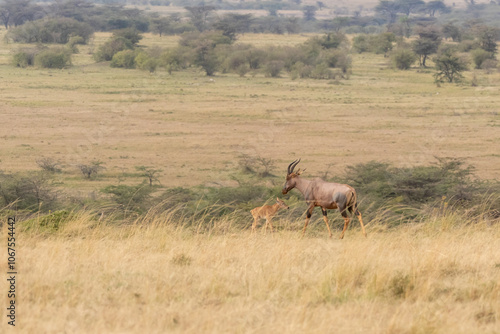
(267, 212)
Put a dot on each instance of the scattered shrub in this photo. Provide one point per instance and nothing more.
(54, 220)
(124, 59)
(489, 65)
(468, 45)
(173, 59)
(53, 58)
(111, 47)
(25, 57)
(382, 43)
(130, 34)
(273, 68)
(403, 58)
(73, 42)
(360, 43)
(479, 56)
(415, 185)
(145, 62)
(131, 198)
(91, 170)
(49, 165)
(27, 191)
(322, 71)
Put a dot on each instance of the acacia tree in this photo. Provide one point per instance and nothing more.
(79, 10)
(309, 13)
(389, 9)
(233, 24)
(432, 7)
(150, 173)
(199, 16)
(160, 25)
(428, 42)
(449, 67)
(203, 49)
(450, 30)
(488, 37)
(17, 12)
(408, 6)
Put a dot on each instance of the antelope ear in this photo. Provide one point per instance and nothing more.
(277, 199)
(301, 171)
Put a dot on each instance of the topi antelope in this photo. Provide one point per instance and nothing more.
(327, 195)
(267, 212)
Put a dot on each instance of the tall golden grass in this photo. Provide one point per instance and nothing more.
(159, 274)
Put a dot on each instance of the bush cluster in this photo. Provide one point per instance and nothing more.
(324, 57)
(409, 192)
(121, 40)
(42, 57)
(379, 44)
(57, 30)
(399, 194)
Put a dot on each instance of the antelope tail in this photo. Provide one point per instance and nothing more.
(352, 200)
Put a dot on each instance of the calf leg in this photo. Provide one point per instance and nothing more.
(268, 221)
(254, 224)
(358, 214)
(325, 218)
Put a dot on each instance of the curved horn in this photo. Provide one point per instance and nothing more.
(292, 166)
(289, 166)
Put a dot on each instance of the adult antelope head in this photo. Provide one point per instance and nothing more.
(291, 177)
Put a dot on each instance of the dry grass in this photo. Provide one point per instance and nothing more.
(156, 276)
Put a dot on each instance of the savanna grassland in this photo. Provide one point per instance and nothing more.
(162, 272)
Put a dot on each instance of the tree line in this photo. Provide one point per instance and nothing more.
(397, 16)
(208, 41)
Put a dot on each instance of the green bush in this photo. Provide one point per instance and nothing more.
(124, 59)
(73, 42)
(130, 34)
(322, 71)
(145, 62)
(57, 30)
(28, 191)
(403, 58)
(131, 198)
(111, 47)
(301, 70)
(174, 59)
(255, 58)
(54, 220)
(468, 45)
(50, 222)
(339, 58)
(273, 68)
(24, 58)
(489, 65)
(53, 58)
(360, 43)
(382, 43)
(414, 185)
(479, 56)
(333, 40)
